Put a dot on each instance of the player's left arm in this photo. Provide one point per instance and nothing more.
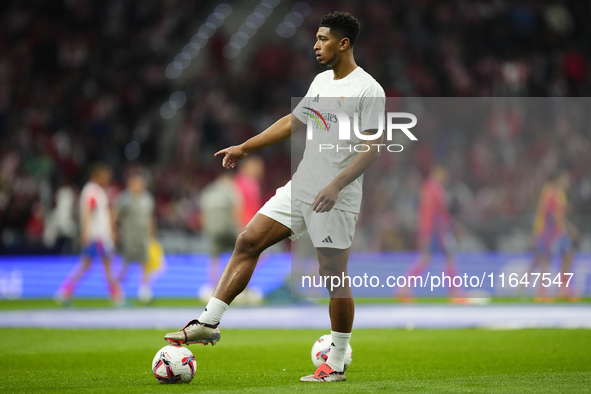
(152, 221)
(115, 213)
(457, 227)
(114, 224)
(327, 197)
(572, 231)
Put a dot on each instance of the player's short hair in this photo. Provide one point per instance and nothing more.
(342, 24)
(137, 172)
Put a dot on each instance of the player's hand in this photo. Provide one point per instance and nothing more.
(232, 156)
(459, 230)
(574, 234)
(84, 238)
(326, 199)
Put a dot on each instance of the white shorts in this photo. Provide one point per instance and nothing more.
(332, 229)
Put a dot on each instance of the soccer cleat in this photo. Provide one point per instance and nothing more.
(62, 300)
(117, 295)
(459, 300)
(324, 373)
(195, 332)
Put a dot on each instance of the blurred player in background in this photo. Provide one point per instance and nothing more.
(96, 233)
(248, 181)
(61, 229)
(325, 200)
(222, 213)
(435, 232)
(134, 214)
(553, 232)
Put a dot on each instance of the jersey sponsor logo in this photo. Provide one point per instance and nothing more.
(345, 124)
(318, 120)
(317, 116)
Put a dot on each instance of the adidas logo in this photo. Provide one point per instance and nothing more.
(333, 345)
(327, 240)
(316, 99)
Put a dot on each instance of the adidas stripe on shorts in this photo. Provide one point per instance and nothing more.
(333, 229)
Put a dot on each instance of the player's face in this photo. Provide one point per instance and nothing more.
(440, 174)
(564, 181)
(104, 177)
(326, 47)
(136, 184)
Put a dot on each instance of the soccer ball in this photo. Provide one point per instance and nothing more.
(321, 349)
(174, 364)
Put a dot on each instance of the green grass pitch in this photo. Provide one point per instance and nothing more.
(271, 361)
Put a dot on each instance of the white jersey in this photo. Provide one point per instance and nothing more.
(357, 92)
(94, 201)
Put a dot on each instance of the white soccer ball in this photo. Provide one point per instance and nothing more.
(321, 349)
(174, 364)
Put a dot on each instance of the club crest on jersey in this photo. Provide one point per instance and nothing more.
(340, 102)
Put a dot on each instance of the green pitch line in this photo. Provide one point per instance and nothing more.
(95, 303)
(271, 361)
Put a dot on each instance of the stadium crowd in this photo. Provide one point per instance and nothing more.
(80, 79)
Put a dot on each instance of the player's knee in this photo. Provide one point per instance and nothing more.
(248, 242)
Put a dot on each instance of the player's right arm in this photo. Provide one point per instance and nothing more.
(277, 132)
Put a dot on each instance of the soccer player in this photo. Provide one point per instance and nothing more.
(96, 234)
(326, 194)
(134, 213)
(248, 181)
(552, 231)
(435, 235)
(221, 209)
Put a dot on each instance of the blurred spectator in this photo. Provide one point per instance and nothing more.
(60, 227)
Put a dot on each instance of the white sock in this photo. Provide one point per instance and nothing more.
(338, 348)
(144, 293)
(213, 311)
